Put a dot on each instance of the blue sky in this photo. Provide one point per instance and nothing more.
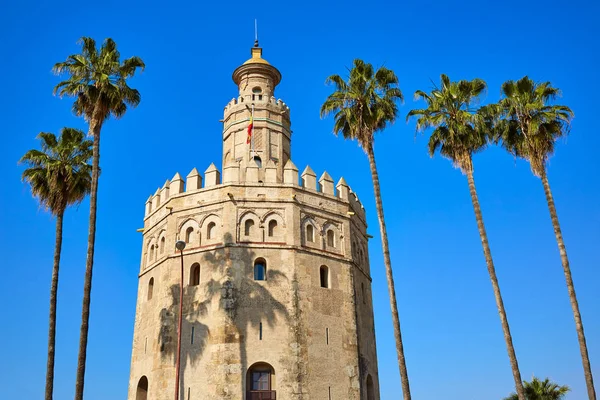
(452, 336)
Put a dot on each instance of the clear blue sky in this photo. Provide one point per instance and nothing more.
(452, 336)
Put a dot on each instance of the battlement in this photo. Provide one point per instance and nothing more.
(257, 99)
(307, 181)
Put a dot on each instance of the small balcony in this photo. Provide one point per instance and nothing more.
(261, 395)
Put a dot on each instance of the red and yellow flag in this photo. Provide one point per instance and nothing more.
(250, 126)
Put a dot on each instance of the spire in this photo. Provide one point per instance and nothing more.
(255, 33)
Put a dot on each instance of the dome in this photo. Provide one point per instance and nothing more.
(256, 57)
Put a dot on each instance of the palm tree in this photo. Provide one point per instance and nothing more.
(59, 176)
(531, 128)
(98, 79)
(363, 106)
(542, 390)
(458, 133)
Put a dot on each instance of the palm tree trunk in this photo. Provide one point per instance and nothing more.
(95, 127)
(388, 272)
(492, 271)
(53, 293)
(587, 369)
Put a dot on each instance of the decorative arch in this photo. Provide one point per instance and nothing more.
(141, 392)
(260, 381)
(275, 225)
(152, 247)
(210, 227)
(310, 233)
(162, 240)
(249, 227)
(189, 231)
(150, 289)
(332, 235)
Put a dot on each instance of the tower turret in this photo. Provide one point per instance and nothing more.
(271, 135)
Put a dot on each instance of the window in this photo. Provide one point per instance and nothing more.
(260, 270)
(210, 231)
(142, 389)
(330, 238)
(248, 225)
(324, 275)
(195, 275)
(189, 235)
(370, 388)
(151, 255)
(256, 90)
(258, 161)
(310, 233)
(162, 245)
(260, 381)
(272, 227)
(150, 288)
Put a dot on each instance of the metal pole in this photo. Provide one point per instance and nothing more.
(179, 331)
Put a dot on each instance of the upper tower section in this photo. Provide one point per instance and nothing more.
(256, 125)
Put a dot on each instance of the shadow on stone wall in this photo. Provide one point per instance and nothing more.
(243, 303)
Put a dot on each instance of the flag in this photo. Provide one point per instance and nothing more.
(250, 126)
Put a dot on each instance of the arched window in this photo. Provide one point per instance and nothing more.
(248, 225)
(258, 161)
(195, 275)
(260, 270)
(272, 227)
(162, 245)
(142, 389)
(324, 275)
(189, 235)
(330, 238)
(310, 233)
(370, 388)
(210, 231)
(260, 382)
(150, 288)
(151, 254)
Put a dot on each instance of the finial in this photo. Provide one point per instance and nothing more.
(255, 33)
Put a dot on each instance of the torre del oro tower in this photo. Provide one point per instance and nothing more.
(276, 285)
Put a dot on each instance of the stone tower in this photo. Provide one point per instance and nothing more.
(277, 289)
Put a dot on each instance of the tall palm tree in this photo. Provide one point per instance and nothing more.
(459, 132)
(532, 127)
(363, 106)
(542, 390)
(59, 176)
(98, 80)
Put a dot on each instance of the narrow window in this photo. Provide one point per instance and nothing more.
(370, 388)
(310, 233)
(210, 231)
(248, 225)
(150, 288)
(195, 275)
(260, 97)
(142, 389)
(253, 97)
(146, 346)
(330, 238)
(327, 335)
(260, 269)
(362, 290)
(324, 275)
(192, 336)
(329, 392)
(162, 245)
(189, 235)
(272, 227)
(258, 161)
(151, 255)
(189, 393)
(260, 331)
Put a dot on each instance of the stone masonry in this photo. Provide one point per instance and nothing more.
(277, 289)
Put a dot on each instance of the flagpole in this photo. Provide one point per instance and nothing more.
(252, 136)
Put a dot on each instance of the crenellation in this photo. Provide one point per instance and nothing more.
(212, 176)
(148, 206)
(164, 192)
(252, 172)
(231, 173)
(309, 178)
(326, 184)
(193, 181)
(271, 172)
(290, 173)
(156, 199)
(177, 185)
(343, 190)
